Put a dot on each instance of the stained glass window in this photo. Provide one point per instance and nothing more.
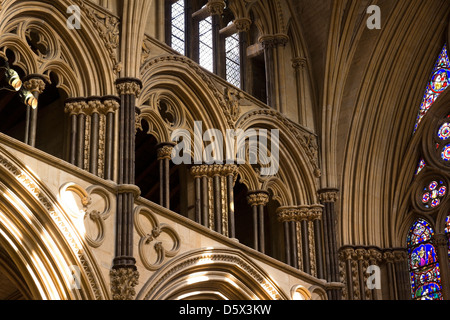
(233, 63)
(178, 38)
(444, 131)
(447, 231)
(433, 194)
(445, 154)
(206, 54)
(423, 263)
(439, 82)
(422, 164)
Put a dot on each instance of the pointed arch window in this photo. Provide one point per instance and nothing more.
(438, 83)
(423, 262)
(206, 39)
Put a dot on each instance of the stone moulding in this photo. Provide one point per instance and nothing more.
(209, 260)
(89, 215)
(34, 187)
(153, 237)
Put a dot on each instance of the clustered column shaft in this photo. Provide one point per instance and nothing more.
(36, 85)
(354, 266)
(258, 200)
(128, 89)
(164, 156)
(328, 198)
(297, 222)
(92, 133)
(214, 197)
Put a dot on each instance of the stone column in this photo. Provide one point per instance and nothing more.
(36, 85)
(94, 106)
(389, 257)
(215, 9)
(315, 216)
(124, 263)
(299, 65)
(347, 255)
(110, 104)
(328, 198)
(78, 111)
(164, 157)
(200, 174)
(375, 258)
(402, 274)
(230, 172)
(288, 217)
(243, 27)
(273, 56)
(258, 200)
(214, 197)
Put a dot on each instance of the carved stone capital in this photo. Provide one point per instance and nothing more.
(95, 105)
(257, 198)
(287, 214)
(401, 255)
(362, 254)
(328, 195)
(242, 24)
(34, 84)
(199, 171)
(129, 86)
(165, 151)
(273, 41)
(110, 104)
(76, 106)
(299, 63)
(375, 254)
(347, 253)
(123, 283)
(440, 239)
(389, 256)
(315, 212)
(215, 7)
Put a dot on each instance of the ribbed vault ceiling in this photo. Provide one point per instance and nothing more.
(370, 85)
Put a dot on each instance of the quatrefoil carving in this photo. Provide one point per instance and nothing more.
(90, 208)
(155, 239)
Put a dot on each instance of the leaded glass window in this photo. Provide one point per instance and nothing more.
(233, 65)
(206, 54)
(423, 263)
(433, 194)
(178, 27)
(439, 82)
(422, 164)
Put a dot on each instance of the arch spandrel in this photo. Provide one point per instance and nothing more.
(42, 241)
(74, 55)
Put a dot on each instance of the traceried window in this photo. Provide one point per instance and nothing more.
(205, 39)
(422, 164)
(443, 136)
(423, 263)
(433, 194)
(439, 82)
